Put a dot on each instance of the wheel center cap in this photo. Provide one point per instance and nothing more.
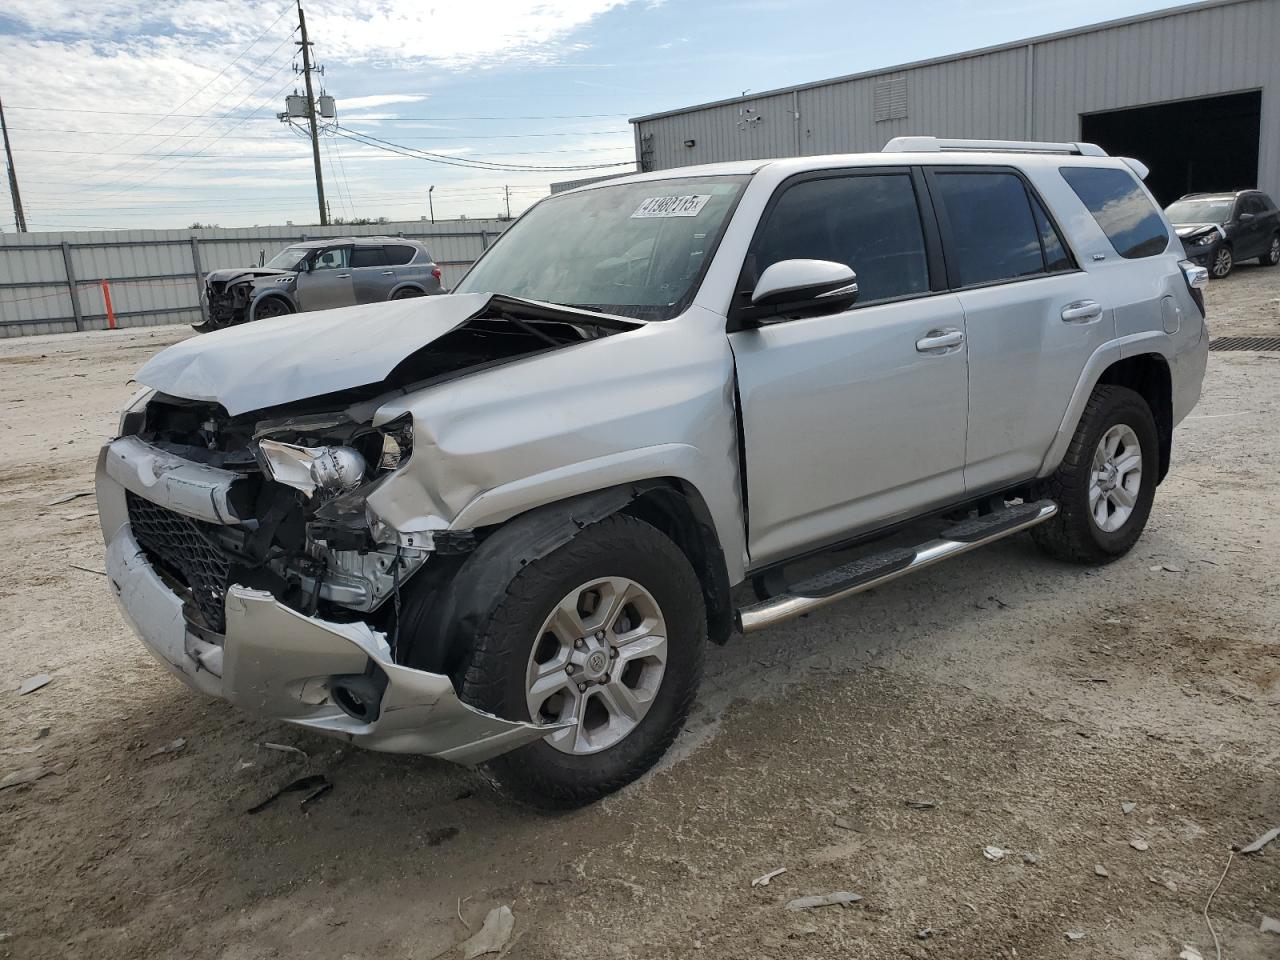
(597, 663)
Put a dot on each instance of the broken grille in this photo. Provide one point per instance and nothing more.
(1245, 343)
(183, 547)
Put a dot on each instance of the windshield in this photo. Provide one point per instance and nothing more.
(288, 258)
(1199, 211)
(636, 249)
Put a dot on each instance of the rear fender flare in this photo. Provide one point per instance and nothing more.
(1109, 353)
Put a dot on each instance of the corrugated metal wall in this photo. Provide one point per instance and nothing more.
(1031, 90)
(154, 274)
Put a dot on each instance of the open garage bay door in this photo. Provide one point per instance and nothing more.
(1191, 145)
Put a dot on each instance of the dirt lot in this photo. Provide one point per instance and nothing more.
(1026, 700)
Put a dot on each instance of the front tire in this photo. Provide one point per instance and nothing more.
(609, 629)
(1223, 261)
(1105, 484)
(270, 307)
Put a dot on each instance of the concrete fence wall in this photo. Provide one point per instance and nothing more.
(52, 282)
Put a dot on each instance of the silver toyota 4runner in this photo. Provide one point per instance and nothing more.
(500, 526)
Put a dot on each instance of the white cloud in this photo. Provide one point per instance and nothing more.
(381, 100)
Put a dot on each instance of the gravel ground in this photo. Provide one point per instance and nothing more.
(876, 747)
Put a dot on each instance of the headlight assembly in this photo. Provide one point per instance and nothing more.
(328, 469)
(1207, 239)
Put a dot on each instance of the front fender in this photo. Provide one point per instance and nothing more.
(656, 402)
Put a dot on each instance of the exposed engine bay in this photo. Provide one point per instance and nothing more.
(303, 472)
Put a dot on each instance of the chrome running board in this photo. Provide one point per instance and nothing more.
(863, 574)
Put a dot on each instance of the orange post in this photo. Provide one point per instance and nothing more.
(106, 299)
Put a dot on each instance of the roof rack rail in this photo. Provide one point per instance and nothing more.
(939, 145)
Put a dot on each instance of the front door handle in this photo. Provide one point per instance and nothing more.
(343, 276)
(1082, 311)
(388, 273)
(938, 340)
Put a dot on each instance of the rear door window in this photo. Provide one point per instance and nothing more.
(1121, 209)
(992, 234)
(870, 222)
(368, 257)
(398, 254)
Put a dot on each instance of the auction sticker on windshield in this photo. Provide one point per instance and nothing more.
(687, 206)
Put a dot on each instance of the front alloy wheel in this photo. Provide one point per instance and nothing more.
(599, 659)
(1222, 262)
(1272, 256)
(606, 633)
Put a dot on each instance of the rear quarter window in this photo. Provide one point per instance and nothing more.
(1121, 209)
(399, 254)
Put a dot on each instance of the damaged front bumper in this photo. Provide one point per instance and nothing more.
(271, 659)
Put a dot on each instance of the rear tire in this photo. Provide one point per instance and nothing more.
(507, 672)
(1103, 496)
(406, 294)
(1272, 256)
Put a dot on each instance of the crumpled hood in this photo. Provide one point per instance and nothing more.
(1194, 229)
(242, 273)
(269, 362)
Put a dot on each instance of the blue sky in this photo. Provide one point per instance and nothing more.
(184, 94)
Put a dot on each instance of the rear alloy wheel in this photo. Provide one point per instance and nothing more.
(1272, 256)
(1106, 482)
(606, 631)
(1222, 262)
(271, 307)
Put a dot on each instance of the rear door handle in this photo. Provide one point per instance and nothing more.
(1082, 311)
(938, 340)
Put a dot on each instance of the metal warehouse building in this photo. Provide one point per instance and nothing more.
(1193, 92)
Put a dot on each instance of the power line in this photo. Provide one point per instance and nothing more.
(199, 116)
(415, 153)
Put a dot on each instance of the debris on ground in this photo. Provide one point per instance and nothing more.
(43, 732)
(841, 897)
(1262, 841)
(1139, 844)
(1189, 953)
(1269, 925)
(68, 497)
(315, 795)
(76, 566)
(1100, 870)
(1030, 858)
(1168, 568)
(173, 746)
(844, 823)
(1074, 935)
(764, 879)
(244, 765)
(920, 804)
(995, 853)
(924, 933)
(312, 782)
(32, 684)
(283, 748)
(25, 775)
(1129, 807)
(492, 935)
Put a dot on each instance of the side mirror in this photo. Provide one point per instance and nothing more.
(806, 286)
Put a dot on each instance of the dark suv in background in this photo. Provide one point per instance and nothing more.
(1219, 229)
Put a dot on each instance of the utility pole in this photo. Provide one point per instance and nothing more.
(20, 219)
(506, 192)
(431, 203)
(305, 44)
